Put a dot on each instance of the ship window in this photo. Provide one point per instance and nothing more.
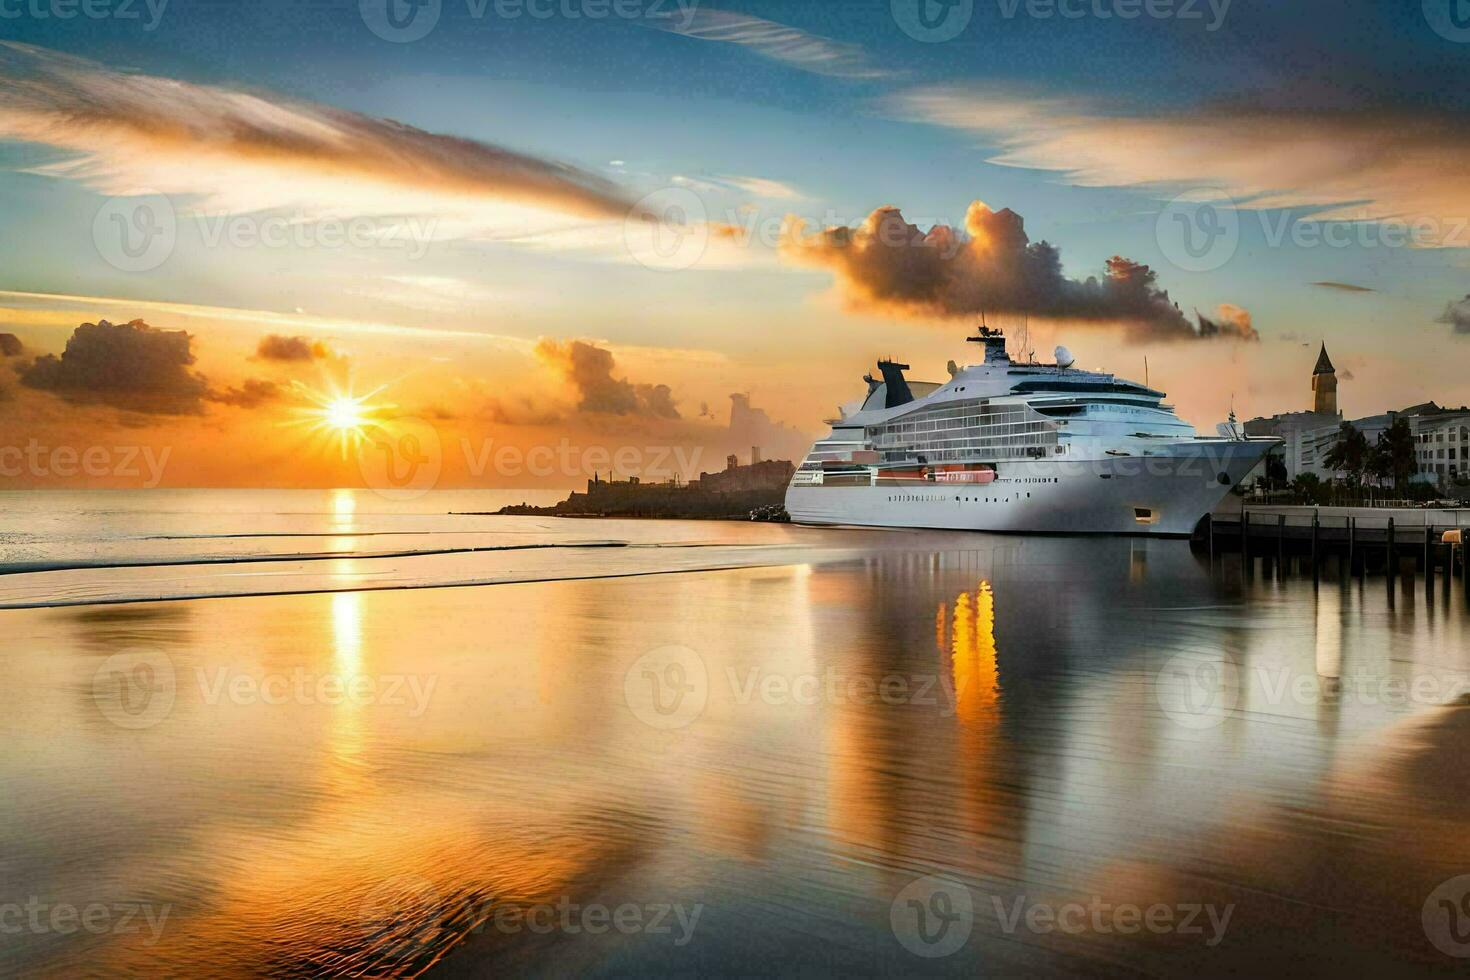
(1144, 515)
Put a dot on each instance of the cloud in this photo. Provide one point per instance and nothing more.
(1354, 164)
(253, 393)
(10, 345)
(775, 190)
(990, 266)
(129, 365)
(588, 370)
(276, 347)
(1457, 315)
(1229, 321)
(778, 42)
(1346, 287)
(135, 134)
(138, 368)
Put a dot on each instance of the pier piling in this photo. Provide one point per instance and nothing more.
(1280, 545)
(1352, 544)
(1428, 562)
(1245, 543)
(1392, 568)
(1449, 570)
(1316, 533)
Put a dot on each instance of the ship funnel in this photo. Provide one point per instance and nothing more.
(896, 387)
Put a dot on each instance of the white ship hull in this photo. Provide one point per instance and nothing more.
(1165, 494)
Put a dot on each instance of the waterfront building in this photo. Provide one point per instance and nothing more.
(1307, 437)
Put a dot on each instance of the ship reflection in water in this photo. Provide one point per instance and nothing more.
(949, 753)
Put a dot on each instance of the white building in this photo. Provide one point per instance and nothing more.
(1442, 442)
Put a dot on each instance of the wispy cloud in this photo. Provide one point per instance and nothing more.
(236, 151)
(1345, 287)
(779, 42)
(764, 187)
(1361, 164)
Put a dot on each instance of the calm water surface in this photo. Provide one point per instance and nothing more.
(707, 748)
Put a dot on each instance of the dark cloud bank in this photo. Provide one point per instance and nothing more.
(135, 367)
(991, 266)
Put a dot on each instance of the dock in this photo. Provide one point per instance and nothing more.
(1394, 542)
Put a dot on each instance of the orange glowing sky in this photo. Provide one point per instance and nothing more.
(521, 258)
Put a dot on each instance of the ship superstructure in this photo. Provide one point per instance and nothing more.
(1004, 446)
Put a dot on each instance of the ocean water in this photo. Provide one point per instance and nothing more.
(315, 734)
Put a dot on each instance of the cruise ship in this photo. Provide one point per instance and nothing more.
(1017, 447)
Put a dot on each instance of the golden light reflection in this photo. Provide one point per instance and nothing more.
(344, 503)
(346, 740)
(972, 653)
(347, 633)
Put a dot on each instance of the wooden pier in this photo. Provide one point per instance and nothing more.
(1392, 542)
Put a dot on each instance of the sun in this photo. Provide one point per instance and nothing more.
(340, 415)
(343, 413)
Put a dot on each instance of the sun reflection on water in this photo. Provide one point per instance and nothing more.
(972, 652)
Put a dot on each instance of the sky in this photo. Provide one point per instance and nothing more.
(276, 243)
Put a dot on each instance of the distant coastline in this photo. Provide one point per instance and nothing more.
(736, 493)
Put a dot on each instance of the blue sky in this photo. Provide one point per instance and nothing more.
(1087, 126)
